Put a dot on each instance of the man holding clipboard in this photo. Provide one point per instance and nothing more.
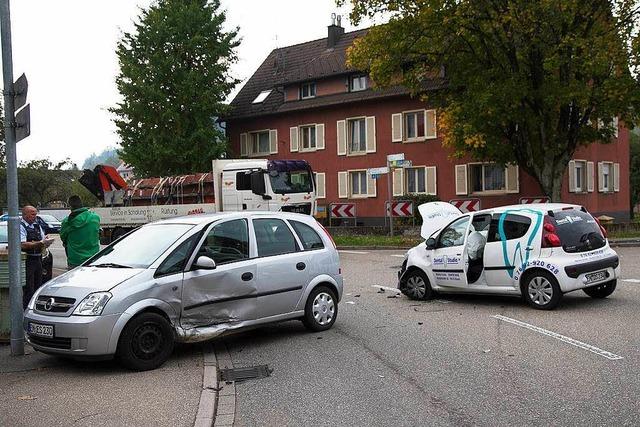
(32, 241)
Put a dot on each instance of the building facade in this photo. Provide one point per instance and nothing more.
(303, 103)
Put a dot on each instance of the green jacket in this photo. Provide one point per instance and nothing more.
(80, 234)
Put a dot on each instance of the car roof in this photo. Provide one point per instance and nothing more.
(538, 207)
(207, 218)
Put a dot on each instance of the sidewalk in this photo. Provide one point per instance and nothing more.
(37, 389)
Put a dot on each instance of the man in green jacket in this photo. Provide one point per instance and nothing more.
(80, 233)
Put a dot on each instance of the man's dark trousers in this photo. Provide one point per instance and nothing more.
(34, 278)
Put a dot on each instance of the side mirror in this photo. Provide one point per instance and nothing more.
(257, 183)
(431, 243)
(205, 263)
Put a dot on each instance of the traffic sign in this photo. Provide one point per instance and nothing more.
(378, 171)
(343, 210)
(402, 208)
(395, 157)
(401, 164)
(20, 88)
(23, 123)
(466, 205)
(528, 200)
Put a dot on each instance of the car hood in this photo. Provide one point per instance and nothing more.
(82, 281)
(436, 215)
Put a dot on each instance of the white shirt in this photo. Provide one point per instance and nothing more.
(23, 231)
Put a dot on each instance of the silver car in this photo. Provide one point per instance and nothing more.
(188, 279)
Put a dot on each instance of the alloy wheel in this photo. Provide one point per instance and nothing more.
(540, 291)
(323, 308)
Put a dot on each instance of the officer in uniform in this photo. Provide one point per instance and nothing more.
(32, 243)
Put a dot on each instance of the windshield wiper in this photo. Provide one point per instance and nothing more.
(110, 265)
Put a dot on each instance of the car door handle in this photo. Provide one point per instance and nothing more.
(247, 276)
(301, 266)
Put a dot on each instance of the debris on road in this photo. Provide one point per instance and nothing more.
(486, 351)
(26, 397)
(420, 323)
(350, 302)
(357, 296)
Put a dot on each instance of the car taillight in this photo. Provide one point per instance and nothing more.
(549, 237)
(602, 229)
(328, 235)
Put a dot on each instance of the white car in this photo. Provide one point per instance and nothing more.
(539, 251)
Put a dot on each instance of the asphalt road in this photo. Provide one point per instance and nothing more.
(393, 361)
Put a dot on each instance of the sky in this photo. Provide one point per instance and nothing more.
(66, 48)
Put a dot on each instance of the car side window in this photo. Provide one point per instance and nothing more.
(175, 262)
(453, 234)
(513, 227)
(227, 242)
(308, 236)
(273, 237)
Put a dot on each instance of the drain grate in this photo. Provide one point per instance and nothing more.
(244, 374)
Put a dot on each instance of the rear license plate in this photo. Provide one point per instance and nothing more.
(596, 277)
(40, 330)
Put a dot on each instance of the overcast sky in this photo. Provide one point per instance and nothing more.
(67, 50)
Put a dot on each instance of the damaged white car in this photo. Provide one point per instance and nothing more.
(188, 279)
(538, 251)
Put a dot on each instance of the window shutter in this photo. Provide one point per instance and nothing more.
(398, 182)
(293, 138)
(371, 134)
(616, 177)
(615, 126)
(320, 136)
(430, 176)
(572, 176)
(600, 178)
(343, 181)
(396, 127)
(430, 131)
(590, 177)
(512, 178)
(320, 186)
(273, 141)
(342, 137)
(461, 180)
(371, 186)
(244, 148)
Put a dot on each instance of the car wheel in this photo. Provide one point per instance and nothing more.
(602, 290)
(321, 309)
(541, 290)
(146, 342)
(417, 286)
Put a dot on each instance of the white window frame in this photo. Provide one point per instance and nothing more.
(361, 78)
(484, 190)
(308, 85)
(415, 170)
(348, 123)
(312, 135)
(250, 147)
(580, 174)
(405, 133)
(361, 194)
(607, 184)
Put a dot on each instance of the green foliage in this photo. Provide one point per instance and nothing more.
(108, 156)
(174, 79)
(526, 80)
(634, 167)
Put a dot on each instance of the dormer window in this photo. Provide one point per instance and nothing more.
(357, 83)
(261, 96)
(307, 90)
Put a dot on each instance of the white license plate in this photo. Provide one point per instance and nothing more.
(596, 277)
(41, 330)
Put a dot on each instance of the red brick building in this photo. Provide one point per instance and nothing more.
(303, 103)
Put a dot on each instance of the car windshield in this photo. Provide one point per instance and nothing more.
(295, 181)
(141, 247)
(578, 231)
(4, 234)
(48, 218)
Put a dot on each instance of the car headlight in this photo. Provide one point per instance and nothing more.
(93, 304)
(32, 302)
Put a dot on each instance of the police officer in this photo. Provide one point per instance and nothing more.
(32, 243)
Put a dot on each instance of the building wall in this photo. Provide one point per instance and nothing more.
(427, 153)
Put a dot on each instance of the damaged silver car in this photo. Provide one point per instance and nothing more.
(188, 279)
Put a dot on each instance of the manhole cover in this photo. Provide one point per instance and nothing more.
(243, 374)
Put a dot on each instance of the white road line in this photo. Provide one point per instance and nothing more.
(632, 280)
(386, 288)
(398, 256)
(354, 252)
(580, 344)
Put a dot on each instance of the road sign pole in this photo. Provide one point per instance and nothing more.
(15, 290)
(389, 196)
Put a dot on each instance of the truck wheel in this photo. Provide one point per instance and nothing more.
(602, 290)
(417, 286)
(146, 342)
(541, 290)
(321, 309)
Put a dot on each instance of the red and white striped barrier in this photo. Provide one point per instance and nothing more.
(529, 200)
(466, 205)
(343, 210)
(401, 208)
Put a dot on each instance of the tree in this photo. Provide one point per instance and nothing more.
(174, 79)
(108, 156)
(524, 81)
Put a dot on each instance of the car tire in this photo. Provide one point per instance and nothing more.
(417, 286)
(602, 290)
(146, 342)
(541, 290)
(321, 309)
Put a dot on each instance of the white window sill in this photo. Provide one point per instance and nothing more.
(492, 193)
(357, 153)
(258, 154)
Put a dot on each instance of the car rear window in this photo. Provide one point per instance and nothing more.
(513, 227)
(578, 231)
(309, 238)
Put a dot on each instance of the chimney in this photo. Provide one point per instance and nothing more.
(335, 30)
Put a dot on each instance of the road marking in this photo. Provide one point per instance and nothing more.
(398, 256)
(580, 344)
(354, 252)
(386, 288)
(632, 280)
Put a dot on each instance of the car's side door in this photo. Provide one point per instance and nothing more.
(282, 268)
(449, 266)
(227, 292)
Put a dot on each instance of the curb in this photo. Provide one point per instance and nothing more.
(217, 407)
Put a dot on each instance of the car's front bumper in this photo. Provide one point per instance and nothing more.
(73, 335)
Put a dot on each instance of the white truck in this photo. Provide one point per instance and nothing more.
(233, 185)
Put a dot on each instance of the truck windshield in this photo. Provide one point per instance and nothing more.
(294, 181)
(141, 247)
